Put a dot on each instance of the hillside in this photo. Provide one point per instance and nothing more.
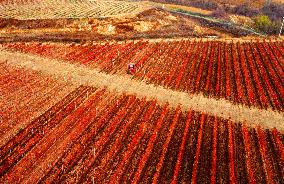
(75, 116)
(105, 91)
(256, 4)
(151, 23)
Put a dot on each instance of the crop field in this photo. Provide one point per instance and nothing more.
(24, 96)
(94, 135)
(55, 9)
(193, 110)
(55, 131)
(248, 73)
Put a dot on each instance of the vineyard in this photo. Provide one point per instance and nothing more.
(249, 73)
(95, 135)
(55, 9)
(121, 91)
(25, 95)
(55, 131)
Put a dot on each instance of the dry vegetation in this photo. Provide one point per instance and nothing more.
(152, 23)
(194, 110)
(232, 3)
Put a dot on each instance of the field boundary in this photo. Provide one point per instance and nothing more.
(7, 35)
(78, 74)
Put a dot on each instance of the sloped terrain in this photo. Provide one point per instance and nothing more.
(214, 69)
(230, 3)
(91, 134)
(193, 111)
(48, 9)
(150, 23)
(24, 96)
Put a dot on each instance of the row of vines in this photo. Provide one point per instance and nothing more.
(25, 95)
(249, 73)
(92, 135)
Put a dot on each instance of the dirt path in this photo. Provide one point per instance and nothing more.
(124, 84)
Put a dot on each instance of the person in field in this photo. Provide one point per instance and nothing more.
(131, 68)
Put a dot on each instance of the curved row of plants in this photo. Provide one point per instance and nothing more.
(92, 135)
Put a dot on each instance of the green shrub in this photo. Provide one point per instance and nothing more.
(262, 23)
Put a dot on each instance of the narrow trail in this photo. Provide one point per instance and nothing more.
(124, 84)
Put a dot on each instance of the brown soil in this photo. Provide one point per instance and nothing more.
(189, 8)
(152, 23)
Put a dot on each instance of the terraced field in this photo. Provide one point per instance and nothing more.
(55, 129)
(55, 9)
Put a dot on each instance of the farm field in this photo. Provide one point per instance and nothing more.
(75, 20)
(24, 96)
(96, 135)
(203, 103)
(48, 9)
(212, 68)
(90, 134)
